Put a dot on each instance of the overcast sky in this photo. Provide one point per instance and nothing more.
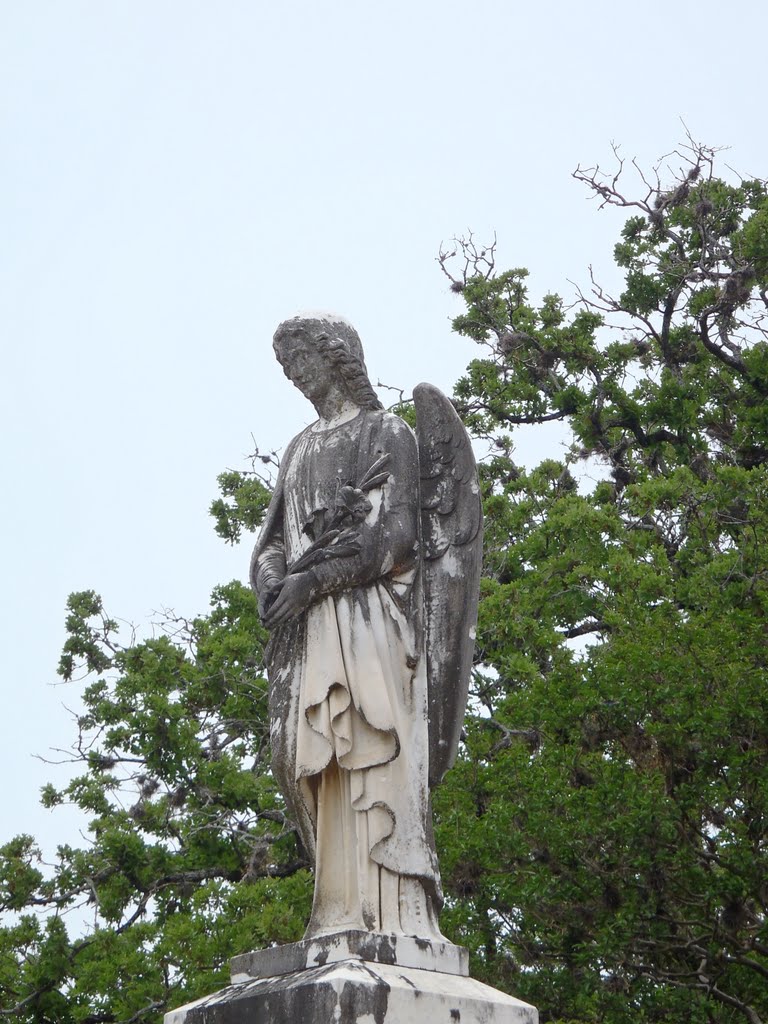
(176, 177)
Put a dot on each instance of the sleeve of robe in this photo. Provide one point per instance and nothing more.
(389, 534)
(268, 559)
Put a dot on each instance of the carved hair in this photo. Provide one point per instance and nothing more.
(340, 343)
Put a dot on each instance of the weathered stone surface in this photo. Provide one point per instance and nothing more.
(452, 537)
(367, 571)
(355, 992)
(370, 947)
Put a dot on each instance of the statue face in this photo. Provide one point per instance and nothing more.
(304, 366)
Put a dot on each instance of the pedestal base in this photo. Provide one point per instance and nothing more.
(355, 992)
(355, 978)
(351, 944)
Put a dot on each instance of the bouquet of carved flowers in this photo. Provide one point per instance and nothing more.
(336, 532)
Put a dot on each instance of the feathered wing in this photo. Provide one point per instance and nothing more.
(452, 540)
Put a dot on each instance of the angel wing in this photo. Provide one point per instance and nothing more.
(452, 543)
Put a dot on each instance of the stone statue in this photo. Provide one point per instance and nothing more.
(367, 571)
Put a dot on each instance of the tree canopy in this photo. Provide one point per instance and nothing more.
(604, 835)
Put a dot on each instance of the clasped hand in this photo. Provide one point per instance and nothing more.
(288, 598)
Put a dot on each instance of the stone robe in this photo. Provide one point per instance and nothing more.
(348, 685)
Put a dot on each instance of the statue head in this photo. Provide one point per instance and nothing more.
(338, 344)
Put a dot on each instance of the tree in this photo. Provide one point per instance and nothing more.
(190, 855)
(603, 834)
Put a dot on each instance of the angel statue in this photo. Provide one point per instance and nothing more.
(367, 570)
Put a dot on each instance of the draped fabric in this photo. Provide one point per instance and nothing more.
(348, 691)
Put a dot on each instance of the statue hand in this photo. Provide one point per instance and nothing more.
(294, 595)
(267, 597)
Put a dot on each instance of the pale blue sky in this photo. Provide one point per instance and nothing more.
(176, 177)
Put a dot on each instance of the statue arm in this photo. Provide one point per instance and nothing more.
(268, 567)
(268, 562)
(385, 544)
(389, 535)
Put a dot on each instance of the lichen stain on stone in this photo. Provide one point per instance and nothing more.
(358, 999)
(315, 1001)
(382, 948)
(273, 999)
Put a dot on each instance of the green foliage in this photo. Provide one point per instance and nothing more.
(190, 858)
(604, 835)
(244, 499)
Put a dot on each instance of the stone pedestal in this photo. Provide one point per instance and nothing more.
(355, 977)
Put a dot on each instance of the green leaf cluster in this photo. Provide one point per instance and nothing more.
(604, 836)
(190, 857)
